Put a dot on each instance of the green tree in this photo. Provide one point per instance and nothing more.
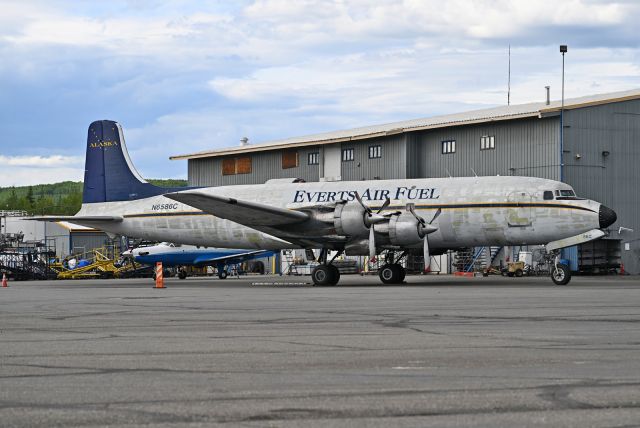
(30, 199)
(12, 200)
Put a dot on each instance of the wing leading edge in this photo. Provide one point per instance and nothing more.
(244, 212)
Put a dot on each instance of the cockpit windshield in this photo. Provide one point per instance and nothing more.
(564, 194)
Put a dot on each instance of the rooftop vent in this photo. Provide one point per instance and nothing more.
(244, 141)
(548, 88)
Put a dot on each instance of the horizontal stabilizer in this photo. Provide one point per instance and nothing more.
(239, 211)
(79, 219)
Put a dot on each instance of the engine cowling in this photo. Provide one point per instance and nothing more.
(349, 219)
(405, 229)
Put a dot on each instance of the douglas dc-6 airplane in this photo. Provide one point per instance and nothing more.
(428, 215)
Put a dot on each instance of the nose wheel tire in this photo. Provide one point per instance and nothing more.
(392, 274)
(222, 274)
(561, 275)
(324, 275)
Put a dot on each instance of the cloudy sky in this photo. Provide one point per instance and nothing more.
(183, 76)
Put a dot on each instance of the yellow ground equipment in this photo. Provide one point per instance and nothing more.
(515, 269)
(99, 263)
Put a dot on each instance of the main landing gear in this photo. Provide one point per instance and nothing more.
(392, 271)
(325, 273)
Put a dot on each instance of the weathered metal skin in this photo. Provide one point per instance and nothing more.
(475, 211)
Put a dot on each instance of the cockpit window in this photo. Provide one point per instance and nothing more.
(565, 194)
(547, 195)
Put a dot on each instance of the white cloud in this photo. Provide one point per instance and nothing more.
(28, 170)
(54, 161)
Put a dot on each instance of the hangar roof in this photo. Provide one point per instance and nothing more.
(457, 119)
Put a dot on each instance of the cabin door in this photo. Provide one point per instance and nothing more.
(519, 209)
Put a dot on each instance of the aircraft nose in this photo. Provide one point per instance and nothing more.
(607, 216)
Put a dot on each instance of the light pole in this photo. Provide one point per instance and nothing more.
(563, 50)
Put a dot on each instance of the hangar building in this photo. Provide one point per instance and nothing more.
(600, 146)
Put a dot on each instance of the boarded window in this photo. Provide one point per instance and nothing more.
(289, 159)
(228, 166)
(232, 166)
(243, 165)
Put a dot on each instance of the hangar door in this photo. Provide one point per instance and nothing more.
(519, 209)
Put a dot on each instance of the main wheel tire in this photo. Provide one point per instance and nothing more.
(323, 275)
(519, 273)
(561, 275)
(403, 273)
(222, 274)
(389, 274)
(335, 275)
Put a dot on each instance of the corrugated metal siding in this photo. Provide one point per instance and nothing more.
(87, 241)
(527, 147)
(264, 166)
(614, 179)
(391, 165)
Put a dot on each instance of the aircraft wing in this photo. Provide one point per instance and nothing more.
(79, 219)
(244, 212)
(238, 257)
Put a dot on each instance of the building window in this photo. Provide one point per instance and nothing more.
(314, 158)
(448, 146)
(347, 155)
(487, 142)
(289, 159)
(375, 152)
(233, 166)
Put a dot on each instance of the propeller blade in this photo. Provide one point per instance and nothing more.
(386, 203)
(436, 215)
(412, 210)
(425, 253)
(359, 199)
(372, 242)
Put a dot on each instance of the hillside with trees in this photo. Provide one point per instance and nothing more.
(62, 198)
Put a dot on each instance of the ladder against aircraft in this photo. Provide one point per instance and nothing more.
(425, 216)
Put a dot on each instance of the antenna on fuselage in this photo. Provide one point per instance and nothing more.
(474, 172)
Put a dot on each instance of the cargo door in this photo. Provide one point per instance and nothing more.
(519, 209)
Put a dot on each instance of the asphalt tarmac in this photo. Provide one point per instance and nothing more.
(274, 351)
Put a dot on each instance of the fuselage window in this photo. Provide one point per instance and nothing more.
(548, 195)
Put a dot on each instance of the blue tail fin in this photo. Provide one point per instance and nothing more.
(109, 173)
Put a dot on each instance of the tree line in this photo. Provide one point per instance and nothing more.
(64, 198)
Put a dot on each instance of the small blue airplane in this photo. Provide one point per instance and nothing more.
(171, 254)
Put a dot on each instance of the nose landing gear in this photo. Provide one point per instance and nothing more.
(560, 273)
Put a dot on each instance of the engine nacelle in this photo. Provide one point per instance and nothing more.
(349, 219)
(405, 229)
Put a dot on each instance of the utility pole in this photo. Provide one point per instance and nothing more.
(563, 50)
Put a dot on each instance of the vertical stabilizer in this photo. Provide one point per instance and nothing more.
(109, 173)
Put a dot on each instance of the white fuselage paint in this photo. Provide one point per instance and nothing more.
(475, 211)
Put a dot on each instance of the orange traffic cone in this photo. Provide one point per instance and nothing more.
(5, 283)
(159, 277)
